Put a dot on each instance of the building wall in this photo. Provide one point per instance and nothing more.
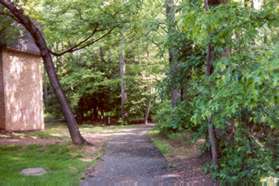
(2, 103)
(23, 94)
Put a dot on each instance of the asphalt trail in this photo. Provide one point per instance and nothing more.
(131, 159)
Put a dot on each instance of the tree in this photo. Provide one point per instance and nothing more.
(209, 71)
(172, 49)
(122, 69)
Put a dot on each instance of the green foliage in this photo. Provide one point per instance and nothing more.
(241, 96)
(72, 21)
(229, 25)
(90, 77)
(244, 159)
(171, 119)
(164, 148)
(8, 32)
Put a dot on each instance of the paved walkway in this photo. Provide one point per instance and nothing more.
(130, 159)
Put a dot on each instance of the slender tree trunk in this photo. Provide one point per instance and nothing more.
(45, 88)
(102, 55)
(122, 68)
(210, 125)
(95, 113)
(110, 56)
(173, 61)
(49, 66)
(175, 96)
(209, 59)
(147, 112)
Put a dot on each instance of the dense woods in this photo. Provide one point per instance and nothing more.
(209, 67)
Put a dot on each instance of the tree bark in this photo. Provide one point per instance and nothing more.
(147, 112)
(122, 68)
(45, 89)
(38, 37)
(173, 61)
(209, 59)
(102, 55)
(210, 125)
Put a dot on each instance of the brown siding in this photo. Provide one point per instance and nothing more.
(23, 91)
(2, 102)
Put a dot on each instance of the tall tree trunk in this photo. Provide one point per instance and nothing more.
(45, 88)
(173, 61)
(210, 125)
(147, 112)
(122, 68)
(102, 55)
(109, 56)
(49, 66)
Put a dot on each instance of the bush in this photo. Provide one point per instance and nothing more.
(171, 119)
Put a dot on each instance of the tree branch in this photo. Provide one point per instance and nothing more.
(8, 15)
(72, 49)
(83, 44)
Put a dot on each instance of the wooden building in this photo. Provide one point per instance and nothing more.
(21, 92)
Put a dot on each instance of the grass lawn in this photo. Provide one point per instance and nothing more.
(63, 162)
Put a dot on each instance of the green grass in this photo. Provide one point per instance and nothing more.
(63, 163)
(160, 143)
(163, 147)
(53, 130)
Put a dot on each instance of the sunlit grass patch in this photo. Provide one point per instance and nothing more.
(60, 130)
(52, 130)
(62, 161)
